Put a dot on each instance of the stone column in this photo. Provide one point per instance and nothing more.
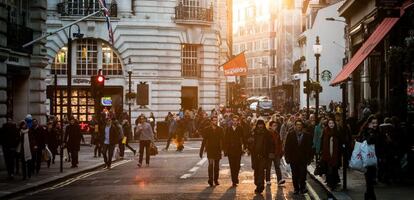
(124, 8)
(38, 62)
(4, 54)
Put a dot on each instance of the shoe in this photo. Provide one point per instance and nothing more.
(135, 152)
(216, 182)
(281, 182)
(258, 191)
(304, 191)
(139, 165)
(210, 183)
(268, 183)
(165, 149)
(234, 185)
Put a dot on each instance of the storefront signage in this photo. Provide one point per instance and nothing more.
(106, 101)
(81, 80)
(326, 75)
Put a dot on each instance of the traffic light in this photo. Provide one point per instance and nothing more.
(97, 86)
(307, 87)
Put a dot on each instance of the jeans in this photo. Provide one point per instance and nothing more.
(276, 162)
(144, 144)
(259, 173)
(108, 152)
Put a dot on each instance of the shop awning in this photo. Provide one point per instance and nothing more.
(366, 49)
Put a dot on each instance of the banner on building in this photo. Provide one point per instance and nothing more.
(236, 66)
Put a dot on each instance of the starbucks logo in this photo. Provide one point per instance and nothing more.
(326, 75)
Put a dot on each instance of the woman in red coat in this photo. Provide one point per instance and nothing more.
(331, 153)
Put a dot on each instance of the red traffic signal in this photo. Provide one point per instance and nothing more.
(100, 79)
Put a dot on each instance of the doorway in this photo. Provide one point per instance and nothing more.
(189, 98)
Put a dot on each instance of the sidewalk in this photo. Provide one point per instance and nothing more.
(47, 175)
(356, 187)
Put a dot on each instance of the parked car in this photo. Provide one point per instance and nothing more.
(262, 107)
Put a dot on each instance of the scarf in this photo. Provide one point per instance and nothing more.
(26, 144)
(330, 148)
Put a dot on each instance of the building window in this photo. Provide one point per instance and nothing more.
(257, 63)
(87, 53)
(265, 44)
(87, 57)
(250, 63)
(189, 60)
(257, 45)
(82, 104)
(249, 46)
(111, 64)
(249, 82)
(264, 82)
(256, 82)
(59, 64)
(82, 7)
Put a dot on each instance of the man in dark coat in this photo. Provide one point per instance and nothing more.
(233, 148)
(213, 145)
(9, 140)
(37, 132)
(110, 137)
(73, 139)
(298, 153)
(262, 149)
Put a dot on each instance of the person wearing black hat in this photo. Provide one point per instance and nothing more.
(262, 148)
(298, 153)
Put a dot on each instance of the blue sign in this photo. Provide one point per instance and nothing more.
(106, 101)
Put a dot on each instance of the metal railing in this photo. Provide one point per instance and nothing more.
(191, 70)
(193, 13)
(17, 35)
(84, 8)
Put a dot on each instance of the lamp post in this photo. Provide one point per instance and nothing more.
(317, 50)
(69, 81)
(129, 89)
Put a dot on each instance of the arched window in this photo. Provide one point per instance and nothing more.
(59, 64)
(89, 55)
(111, 64)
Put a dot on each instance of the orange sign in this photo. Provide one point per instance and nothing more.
(236, 66)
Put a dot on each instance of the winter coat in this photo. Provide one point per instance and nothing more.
(73, 137)
(261, 145)
(212, 142)
(277, 143)
(9, 135)
(317, 138)
(296, 153)
(331, 137)
(114, 134)
(233, 141)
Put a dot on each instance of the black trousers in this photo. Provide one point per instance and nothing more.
(144, 144)
(276, 162)
(75, 157)
(9, 158)
(298, 176)
(98, 149)
(234, 161)
(213, 170)
(27, 167)
(108, 152)
(370, 176)
(121, 149)
(259, 172)
(36, 160)
(169, 141)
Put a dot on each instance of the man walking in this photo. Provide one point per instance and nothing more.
(73, 139)
(146, 136)
(277, 142)
(9, 141)
(233, 148)
(213, 145)
(298, 153)
(261, 150)
(110, 139)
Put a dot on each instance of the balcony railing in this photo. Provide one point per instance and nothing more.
(83, 8)
(192, 14)
(17, 36)
(191, 70)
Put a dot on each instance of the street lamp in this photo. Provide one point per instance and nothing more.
(129, 68)
(317, 50)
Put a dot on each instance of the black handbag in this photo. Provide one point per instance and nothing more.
(321, 168)
(153, 149)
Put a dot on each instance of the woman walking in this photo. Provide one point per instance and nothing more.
(25, 151)
(331, 153)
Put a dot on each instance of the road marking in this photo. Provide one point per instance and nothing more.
(312, 192)
(117, 181)
(194, 169)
